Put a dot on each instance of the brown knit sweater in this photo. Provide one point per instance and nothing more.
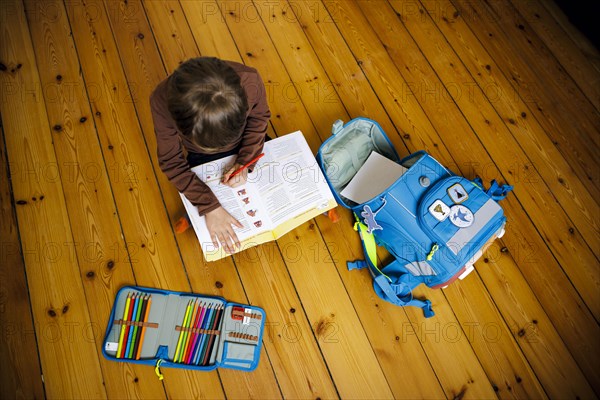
(171, 142)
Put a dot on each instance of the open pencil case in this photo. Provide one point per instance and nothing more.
(183, 330)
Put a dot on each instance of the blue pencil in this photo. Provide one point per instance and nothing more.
(207, 336)
(130, 336)
(207, 318)
(201, 335)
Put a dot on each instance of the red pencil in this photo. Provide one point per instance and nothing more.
(243, 167)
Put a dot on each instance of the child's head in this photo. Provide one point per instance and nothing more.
(207, 102)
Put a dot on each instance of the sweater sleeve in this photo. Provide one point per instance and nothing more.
(173, 163)
(257, 121)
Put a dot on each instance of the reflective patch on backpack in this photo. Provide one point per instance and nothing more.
(419, 268)
(481, 218)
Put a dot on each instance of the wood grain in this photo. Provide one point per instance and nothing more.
(69, 360)
(495, 89)
(18, 347)
(531, 79)
(102, 253)
(146, 227)
(257, 50)
(483, 114)
(142, 58)
(562, 47)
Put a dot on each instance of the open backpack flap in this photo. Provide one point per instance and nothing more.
(434, 223)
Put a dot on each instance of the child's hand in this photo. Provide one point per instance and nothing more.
(237, 180)
(218, 222)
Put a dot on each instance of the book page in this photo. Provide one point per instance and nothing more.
(242, 202)
(285, 189)
(376, 174)
(291, 183)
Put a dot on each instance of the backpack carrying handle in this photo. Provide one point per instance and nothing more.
(496, 191)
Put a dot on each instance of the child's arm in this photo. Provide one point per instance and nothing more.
(173, 163)
(257, 121)
(171, 158)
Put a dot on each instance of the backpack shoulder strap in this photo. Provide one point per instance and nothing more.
(398, 293)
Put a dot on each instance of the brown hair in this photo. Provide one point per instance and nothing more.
(207, 102)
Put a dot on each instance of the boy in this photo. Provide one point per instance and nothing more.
(209, 108)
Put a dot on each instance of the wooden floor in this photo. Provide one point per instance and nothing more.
(504, 89)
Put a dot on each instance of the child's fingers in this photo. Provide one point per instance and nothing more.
(215, 240)
(228, 173)
(233, 234)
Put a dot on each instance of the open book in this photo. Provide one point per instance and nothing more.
(285, 189)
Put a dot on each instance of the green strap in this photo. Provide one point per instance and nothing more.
(369, 245)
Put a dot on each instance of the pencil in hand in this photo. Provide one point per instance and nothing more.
(230, 175)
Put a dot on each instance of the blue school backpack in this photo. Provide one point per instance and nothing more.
(434, 223)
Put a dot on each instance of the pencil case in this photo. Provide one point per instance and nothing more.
(183, 330)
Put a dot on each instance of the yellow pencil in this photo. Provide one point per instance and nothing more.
(189, 334)
(146, 314)
(186, 333)
(181, 333)
(122, 336)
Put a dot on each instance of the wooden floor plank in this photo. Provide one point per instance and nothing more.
(572, 249)
(589, 50)
(294, 380)
(69, 360)
(324, 106)
(362, 378)
(551, 360)
(562, 47)
(155, 259)
(349, 20)
(444, 116)
(141, 58)
(527, 127)
(531, 79)
(79, 74)
(100, 248)
(20, 374)
(484, 327)
(288, 353)
(533, 47)
(210, 31)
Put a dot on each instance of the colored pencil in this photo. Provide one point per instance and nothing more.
(131, 327)
(197, 326)
(192, 334)
(198, 338)
(128, 326)
(138, 328)
(206, 337)
(182, 331)
(122, 335)
(205, 323)
(249, 163)
(189, 333)
(146, 314)
(211, 341)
